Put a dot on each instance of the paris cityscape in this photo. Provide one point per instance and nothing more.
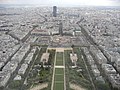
(59, 48)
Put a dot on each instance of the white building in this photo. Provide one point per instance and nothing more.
(115, 80)
(73, 57)
(23, 69)
(96, 72)
(1, 64)
(29, 58)
(4, 77)
(18, 77)
(10, 66)
(109, 69)
(100, 58)
(117, 64)
(90, 59)
(45, 57)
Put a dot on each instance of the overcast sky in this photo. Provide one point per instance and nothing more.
(64, 2)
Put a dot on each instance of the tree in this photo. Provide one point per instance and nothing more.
(72, 49)
(102, 86)
(15, 84)
(73, 46)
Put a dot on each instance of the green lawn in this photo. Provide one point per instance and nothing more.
(58, 86)
(59, 59)
(59, 79)
(59, 74)
(59, 71)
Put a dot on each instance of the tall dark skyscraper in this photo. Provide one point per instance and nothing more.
(61, 29)
(54, 11)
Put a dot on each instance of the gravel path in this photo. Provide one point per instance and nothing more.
(40, 86)
(76, 87)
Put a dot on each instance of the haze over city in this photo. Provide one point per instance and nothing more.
(64, 2)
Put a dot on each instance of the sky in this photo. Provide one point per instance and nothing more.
(64, 2)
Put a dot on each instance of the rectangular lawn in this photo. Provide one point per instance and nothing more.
(59, 59)
(59, 71)
(58, 86)
(59, 79)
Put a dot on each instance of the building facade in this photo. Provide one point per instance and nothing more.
(54, 11)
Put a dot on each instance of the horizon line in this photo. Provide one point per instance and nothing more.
(61, 6)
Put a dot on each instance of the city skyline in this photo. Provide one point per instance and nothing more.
(64, 2)
(59, 48)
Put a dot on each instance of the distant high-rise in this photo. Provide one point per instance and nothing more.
(61, 29)
(54, 11)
